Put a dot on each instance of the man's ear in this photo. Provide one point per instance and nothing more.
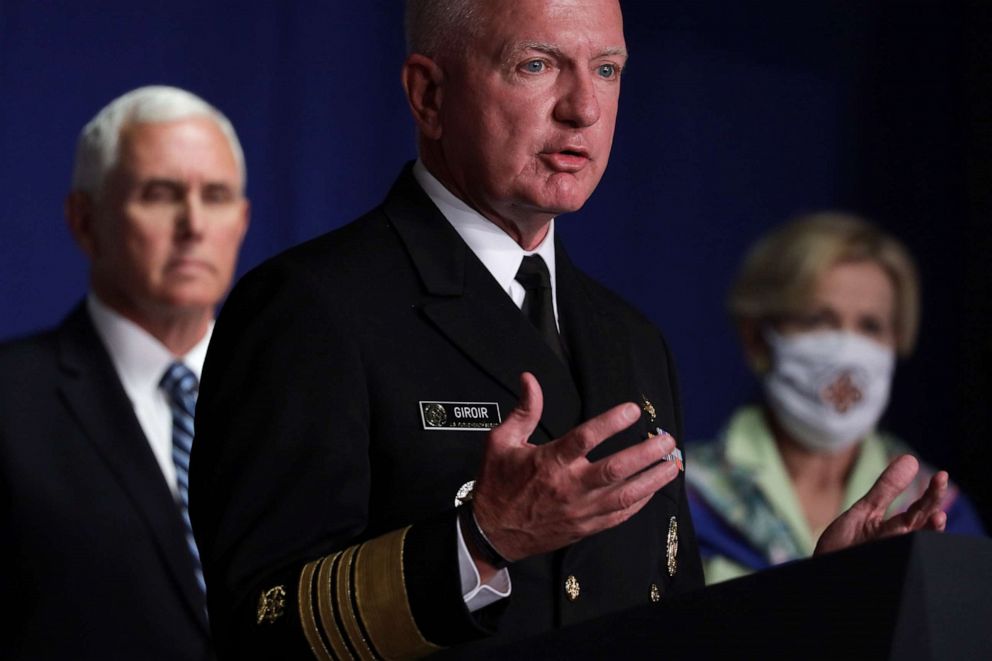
(423, 81)
(80, 213)
(245, 219)
(755, 347)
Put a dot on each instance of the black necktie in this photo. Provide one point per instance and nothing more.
(538, 306)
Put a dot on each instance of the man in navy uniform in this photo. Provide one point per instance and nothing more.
(428, 426)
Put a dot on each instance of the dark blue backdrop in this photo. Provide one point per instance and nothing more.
(734, 116)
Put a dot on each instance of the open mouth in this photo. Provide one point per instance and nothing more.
(568, 159)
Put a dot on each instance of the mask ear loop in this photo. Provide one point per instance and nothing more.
(760, 343)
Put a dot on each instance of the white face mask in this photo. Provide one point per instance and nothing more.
(828, 388)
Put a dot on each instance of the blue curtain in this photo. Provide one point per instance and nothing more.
(734, 116)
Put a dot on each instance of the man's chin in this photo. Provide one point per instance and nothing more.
(557, 204)
(566, 192)
(190, 298)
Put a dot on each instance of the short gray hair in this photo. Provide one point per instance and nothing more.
(437, 26)
(97, 150)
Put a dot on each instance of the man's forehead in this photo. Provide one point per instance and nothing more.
(196, 140)
(554, 25)
(172, 130)
(164, 152)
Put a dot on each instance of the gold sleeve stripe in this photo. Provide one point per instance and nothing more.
(305, 601)
(364, 610)
(328, 613)
(381, 599)
(342, 591)
(353, 606)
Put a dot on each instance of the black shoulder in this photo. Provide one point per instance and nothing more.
(27, 351)
(610, 302)
(333, 264)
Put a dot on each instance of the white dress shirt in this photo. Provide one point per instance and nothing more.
(140, 361)
(501, 256)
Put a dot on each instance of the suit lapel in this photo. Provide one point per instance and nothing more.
(93, 393)
(465, 303)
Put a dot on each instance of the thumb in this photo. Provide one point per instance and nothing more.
(523, 419)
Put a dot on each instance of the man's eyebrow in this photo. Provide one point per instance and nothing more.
(540, 46)
(162, 181)
(554, 50)
(179, 184)
(614, 52)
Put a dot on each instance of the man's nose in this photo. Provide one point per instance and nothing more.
(191, 220)
(578, 104)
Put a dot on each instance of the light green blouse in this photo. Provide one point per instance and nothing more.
(742, 476)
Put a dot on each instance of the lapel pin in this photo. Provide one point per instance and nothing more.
(648, 408)
(673, 546)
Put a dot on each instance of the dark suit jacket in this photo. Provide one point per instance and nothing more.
(95, 563)
(311, 439)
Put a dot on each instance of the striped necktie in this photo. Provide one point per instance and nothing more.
(180, 384)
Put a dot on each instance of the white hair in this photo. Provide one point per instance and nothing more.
(97, 150)
(434, 26)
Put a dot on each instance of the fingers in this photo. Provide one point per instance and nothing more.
(583, 439)
(892, 482)
(523, 419)
(624, 501)
(929, 503)
(925, 512)
(644, 485)
(612, 519)
(623, 464)
(937, 522)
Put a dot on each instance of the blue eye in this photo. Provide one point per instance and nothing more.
(534, 66)
(607, 70)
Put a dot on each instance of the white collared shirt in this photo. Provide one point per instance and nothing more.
(496, 249)
(140, 361)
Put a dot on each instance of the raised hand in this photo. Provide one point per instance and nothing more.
(532, 499)
(865, 520)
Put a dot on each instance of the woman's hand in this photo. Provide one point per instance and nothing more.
(865, 521)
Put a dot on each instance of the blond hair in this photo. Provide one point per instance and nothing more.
(780, 272)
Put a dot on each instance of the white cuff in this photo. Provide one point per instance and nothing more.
(476, 594)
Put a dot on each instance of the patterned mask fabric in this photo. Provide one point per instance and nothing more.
(828, 388)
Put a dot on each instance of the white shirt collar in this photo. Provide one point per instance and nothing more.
(140, 359)
(500, 254)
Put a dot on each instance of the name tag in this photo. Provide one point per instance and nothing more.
(459, 416)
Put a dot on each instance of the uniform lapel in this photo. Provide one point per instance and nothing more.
(597, 344)
(465, 303)
(92, 391)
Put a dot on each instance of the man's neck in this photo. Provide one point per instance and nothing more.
(526, 229)
(179, 330)
(180, 334)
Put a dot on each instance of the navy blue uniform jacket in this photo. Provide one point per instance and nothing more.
(322, 500)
